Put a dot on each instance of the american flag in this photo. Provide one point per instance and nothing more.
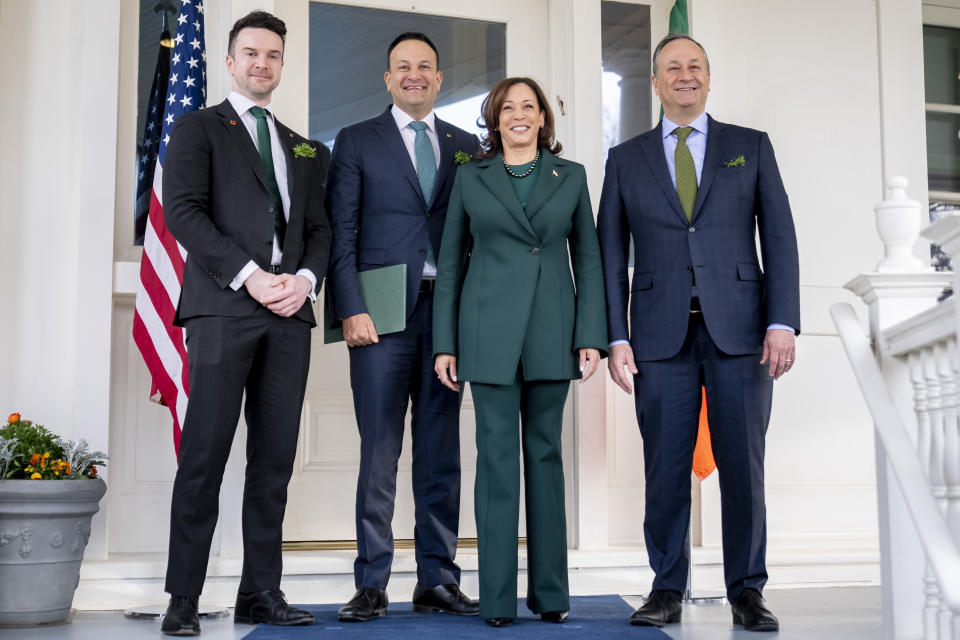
(161, 270)
(147, 157)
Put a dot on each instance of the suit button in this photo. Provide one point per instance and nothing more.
(535, 251)
(691, 229)
(270, 210)
(269, 242)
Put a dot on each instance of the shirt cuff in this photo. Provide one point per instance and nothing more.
(616, 342)
(245, 273)
(306, 273)
(784, 327)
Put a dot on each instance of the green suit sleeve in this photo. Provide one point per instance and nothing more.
(590, 330)
(451, 264)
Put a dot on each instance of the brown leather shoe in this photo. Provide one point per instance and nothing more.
(750, 612)
(661, 607)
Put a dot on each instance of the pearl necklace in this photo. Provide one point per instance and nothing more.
(525, 173)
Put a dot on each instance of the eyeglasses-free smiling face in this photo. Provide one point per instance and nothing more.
(255, 63)
(413, 79)
(682, 81)
(520, 118)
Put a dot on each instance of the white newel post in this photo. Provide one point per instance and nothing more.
(901, 287)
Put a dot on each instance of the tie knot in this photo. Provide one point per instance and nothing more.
(682, 133)
(418, 126)
(259, 113)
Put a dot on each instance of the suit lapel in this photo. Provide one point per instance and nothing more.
(238, 131)
(498, 182)
(387, 129)
(447, 143)
(652, 145)
(550, 178)
(716, 141)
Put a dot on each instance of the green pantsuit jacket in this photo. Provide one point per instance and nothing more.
(507, 305)
(504, 290)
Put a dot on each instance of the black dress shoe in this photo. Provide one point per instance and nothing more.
(270, 607)
(556, 617)
(181, 617)
(444, 598)
(750, 612)
(499, 622)
(661, 608)
(367, 603)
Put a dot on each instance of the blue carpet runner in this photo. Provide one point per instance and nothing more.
(591, 618)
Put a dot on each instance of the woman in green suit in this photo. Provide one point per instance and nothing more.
(508, 319)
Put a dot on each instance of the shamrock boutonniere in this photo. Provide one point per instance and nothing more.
(303, 150)
(461, 157)
(739, 161)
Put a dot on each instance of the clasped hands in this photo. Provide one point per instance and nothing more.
(282, 293)
(445, 366)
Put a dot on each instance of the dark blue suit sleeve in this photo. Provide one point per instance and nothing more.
(778, 242)
(614, 235)
(345, 200)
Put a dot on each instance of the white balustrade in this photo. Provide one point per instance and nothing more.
(925, 344)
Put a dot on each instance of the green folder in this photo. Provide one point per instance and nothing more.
(384, 291)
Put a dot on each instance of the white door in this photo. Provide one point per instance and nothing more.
(323, 488)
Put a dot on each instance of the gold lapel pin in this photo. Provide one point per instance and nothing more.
(291, 135)
(555, 173)
(449, 135)
(233, 123)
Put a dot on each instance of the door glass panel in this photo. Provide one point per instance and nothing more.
(348, 57)
(943, 151)
(625, 42)
(941, 64)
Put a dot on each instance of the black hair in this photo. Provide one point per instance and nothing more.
(412, 35)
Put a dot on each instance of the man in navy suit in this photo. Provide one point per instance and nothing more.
(389, 183)
(692, 194)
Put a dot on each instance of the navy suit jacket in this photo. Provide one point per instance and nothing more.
(717, 249)
(378, 213)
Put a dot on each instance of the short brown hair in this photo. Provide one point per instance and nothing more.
(257, 20)
(491, 144)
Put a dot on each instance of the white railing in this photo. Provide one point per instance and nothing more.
(910, 379)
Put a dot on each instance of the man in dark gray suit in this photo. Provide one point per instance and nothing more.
(692, 193)
(244, 195)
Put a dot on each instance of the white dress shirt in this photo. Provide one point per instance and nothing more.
(409, 135)
(241, 105)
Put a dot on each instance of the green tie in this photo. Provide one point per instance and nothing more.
(426, 171)
(266, 157)
(686, 172)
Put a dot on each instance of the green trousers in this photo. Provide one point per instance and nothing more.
(530, 412)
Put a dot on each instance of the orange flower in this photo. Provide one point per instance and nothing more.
(35, 476)
(35, 459)
(13, 417)
(46, 454)
(68, 469)
(93, 471)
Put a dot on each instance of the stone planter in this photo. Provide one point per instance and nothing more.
(44, 528)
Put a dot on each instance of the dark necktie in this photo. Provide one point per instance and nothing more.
(266, 157)
(686, 172)
(426, 170)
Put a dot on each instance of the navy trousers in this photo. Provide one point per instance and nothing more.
(739, 391)
(385, 378)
